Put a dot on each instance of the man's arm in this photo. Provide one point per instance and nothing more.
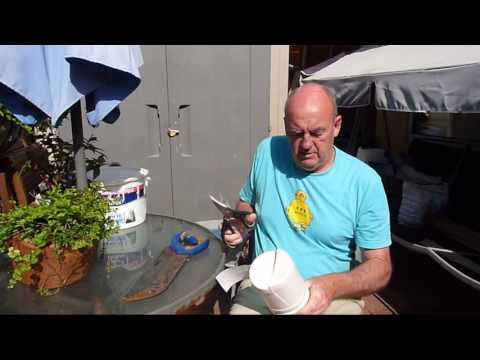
(370, 276)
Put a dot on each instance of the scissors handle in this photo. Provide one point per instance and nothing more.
(227, 226)
(248, 226)
(240, 215)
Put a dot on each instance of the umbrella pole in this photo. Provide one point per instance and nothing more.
(78, 148)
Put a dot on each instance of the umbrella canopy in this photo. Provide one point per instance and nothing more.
(411, 78)
(46, 80)
(39, 81)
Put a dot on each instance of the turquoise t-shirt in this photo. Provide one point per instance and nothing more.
(318, 218)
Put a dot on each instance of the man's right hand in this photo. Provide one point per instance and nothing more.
(235, 238)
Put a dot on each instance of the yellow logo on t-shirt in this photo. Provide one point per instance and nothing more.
(298, 212)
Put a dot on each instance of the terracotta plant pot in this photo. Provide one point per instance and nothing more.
(51, 271)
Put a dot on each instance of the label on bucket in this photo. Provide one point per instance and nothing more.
(126, 190)
(123, 217)
(129, 215)
(126, 196)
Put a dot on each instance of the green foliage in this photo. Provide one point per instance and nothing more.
(66, 218)
(47, 292)
(7, 115)
(61, 171)
(23, 264)
(61, 164)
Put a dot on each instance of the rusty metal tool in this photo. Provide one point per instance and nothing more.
(166, 266)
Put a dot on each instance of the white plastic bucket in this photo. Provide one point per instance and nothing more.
(276, 277)
(126, 187)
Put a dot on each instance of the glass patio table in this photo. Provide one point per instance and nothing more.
(120, 262)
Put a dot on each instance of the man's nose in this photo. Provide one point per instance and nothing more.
(306, 141)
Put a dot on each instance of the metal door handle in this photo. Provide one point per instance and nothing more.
(173, 132)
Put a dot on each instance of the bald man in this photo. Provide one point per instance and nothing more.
(343, 204)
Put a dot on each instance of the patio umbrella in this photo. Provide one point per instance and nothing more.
(40, 81)
(410, 78)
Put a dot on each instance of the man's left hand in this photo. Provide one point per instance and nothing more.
(320, 297)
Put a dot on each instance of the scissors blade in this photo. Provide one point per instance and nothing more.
(226, 210)
(222, 207)
(158, 277)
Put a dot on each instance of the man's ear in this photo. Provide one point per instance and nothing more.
(337, 125)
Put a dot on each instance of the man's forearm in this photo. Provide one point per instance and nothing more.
(367, 278)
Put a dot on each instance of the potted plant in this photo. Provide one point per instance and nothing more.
(53, 242)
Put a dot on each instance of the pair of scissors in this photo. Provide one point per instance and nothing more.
(230, 214)
(166, 266)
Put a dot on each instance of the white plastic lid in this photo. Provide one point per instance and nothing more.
(119, 175)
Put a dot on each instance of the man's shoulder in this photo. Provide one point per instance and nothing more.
(274, 153)
(273, 142)
(357, 167)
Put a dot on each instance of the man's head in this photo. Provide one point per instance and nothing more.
(311, 124)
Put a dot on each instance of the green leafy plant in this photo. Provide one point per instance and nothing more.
(11, 130)
(67, 218)
(8, 115)
(24, 263)
(61, 171)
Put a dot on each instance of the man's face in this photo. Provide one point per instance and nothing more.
(311, 128)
